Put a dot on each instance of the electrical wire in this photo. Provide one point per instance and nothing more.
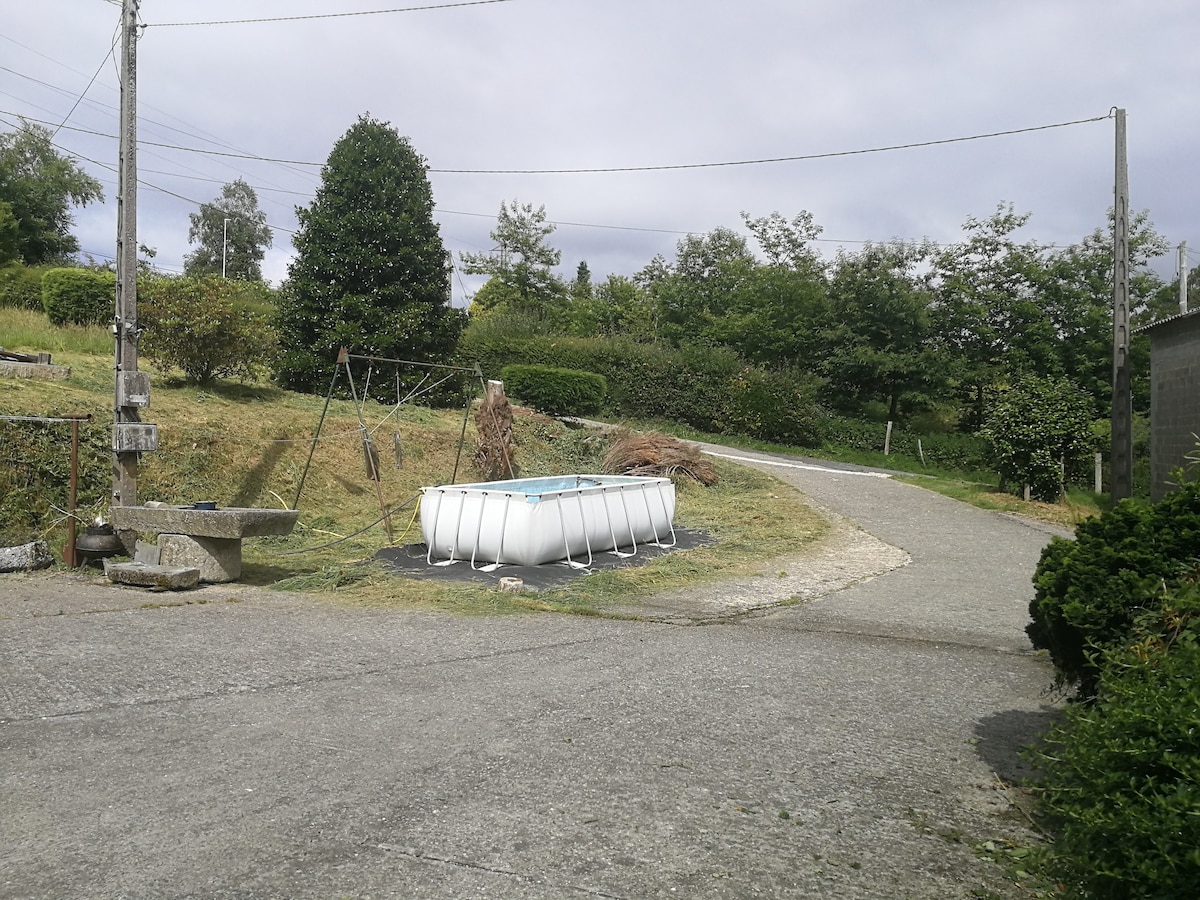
(345, 15)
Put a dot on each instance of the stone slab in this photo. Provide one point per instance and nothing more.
(157, 578)
(218, 559)
(22, 558)
(231, 522)
(9, 369)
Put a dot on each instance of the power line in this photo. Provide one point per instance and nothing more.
(345, 15)
(775, 159)
(618, 169)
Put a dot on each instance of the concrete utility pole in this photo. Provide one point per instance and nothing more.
(1122, 399)
(131, 389)
(1183, 277)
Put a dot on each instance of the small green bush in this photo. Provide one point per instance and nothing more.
(556, 392)
(1037, 426)
(207, 327)
(1087, 591)
(1120, 778)
(79, 296)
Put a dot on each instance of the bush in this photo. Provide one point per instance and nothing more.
(556, 392)
(207, 327)
(21, 286)
(1037, 426)
(79, 296)
(1121, 777)
(774, 406)
(1089, 590)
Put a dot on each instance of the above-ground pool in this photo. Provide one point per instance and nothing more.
(530, 521)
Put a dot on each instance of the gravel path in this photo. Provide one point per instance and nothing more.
(245, 743)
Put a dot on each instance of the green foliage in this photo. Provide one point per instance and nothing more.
(880, 333)
(1035, 427)
(371, 272)
(232, 233)
(778, 407)
(35, 471)
(79, 296)
(40, 188)
(523, 267)
(10, 247)
(556, 392)
(1089, 590)
(207, 327)
(1121, 776)
(710, 389)
(949, 451)
(21, 286)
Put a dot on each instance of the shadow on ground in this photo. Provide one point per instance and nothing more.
(410, 560)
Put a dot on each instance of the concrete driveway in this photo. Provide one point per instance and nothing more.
(259, 744)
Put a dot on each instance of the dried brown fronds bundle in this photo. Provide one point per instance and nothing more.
(658, 455)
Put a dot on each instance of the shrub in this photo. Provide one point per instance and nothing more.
(21, 286)
(556, 392)
(207, 327)
(779, 407)
(79, 296)
(1088, 590)
(1121, 777)
(1035, 427)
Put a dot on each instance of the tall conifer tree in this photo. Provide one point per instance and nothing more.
(371, 273)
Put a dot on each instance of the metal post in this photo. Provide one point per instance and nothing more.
(224, 245)
(125, 462)
(1122, 401)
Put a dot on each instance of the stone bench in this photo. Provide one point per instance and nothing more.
(207, 539)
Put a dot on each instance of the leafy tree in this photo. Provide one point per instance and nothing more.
(524, 262)
(40, 188)
(880, 333)
(1076, 293)
(1038, 427)
(988, 313)
(206, 326)
(581, 287)
(370, 272)
(232, 233)
(10, 250)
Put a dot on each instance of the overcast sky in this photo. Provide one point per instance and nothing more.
(574, 84)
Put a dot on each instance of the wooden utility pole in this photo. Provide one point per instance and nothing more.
(1122, 400)
(131, 390)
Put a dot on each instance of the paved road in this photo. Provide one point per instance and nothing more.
(268, 745)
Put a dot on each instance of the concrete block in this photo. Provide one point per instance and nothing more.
(9, 369)
(157, 578)
(231, 522)
(147, 554)
(218, 559)
(34, 555)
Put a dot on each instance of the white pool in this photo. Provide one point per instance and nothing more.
(530, 521)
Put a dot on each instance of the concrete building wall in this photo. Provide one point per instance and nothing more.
(1174, 398)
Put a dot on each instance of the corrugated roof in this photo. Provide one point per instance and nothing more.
(1168, 319)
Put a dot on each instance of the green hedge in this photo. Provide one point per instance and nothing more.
(556, 392)
(710, 389)
(21, 286)
(79, 296)
(1120, 777)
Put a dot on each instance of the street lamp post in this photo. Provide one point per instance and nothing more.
(224, 245)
